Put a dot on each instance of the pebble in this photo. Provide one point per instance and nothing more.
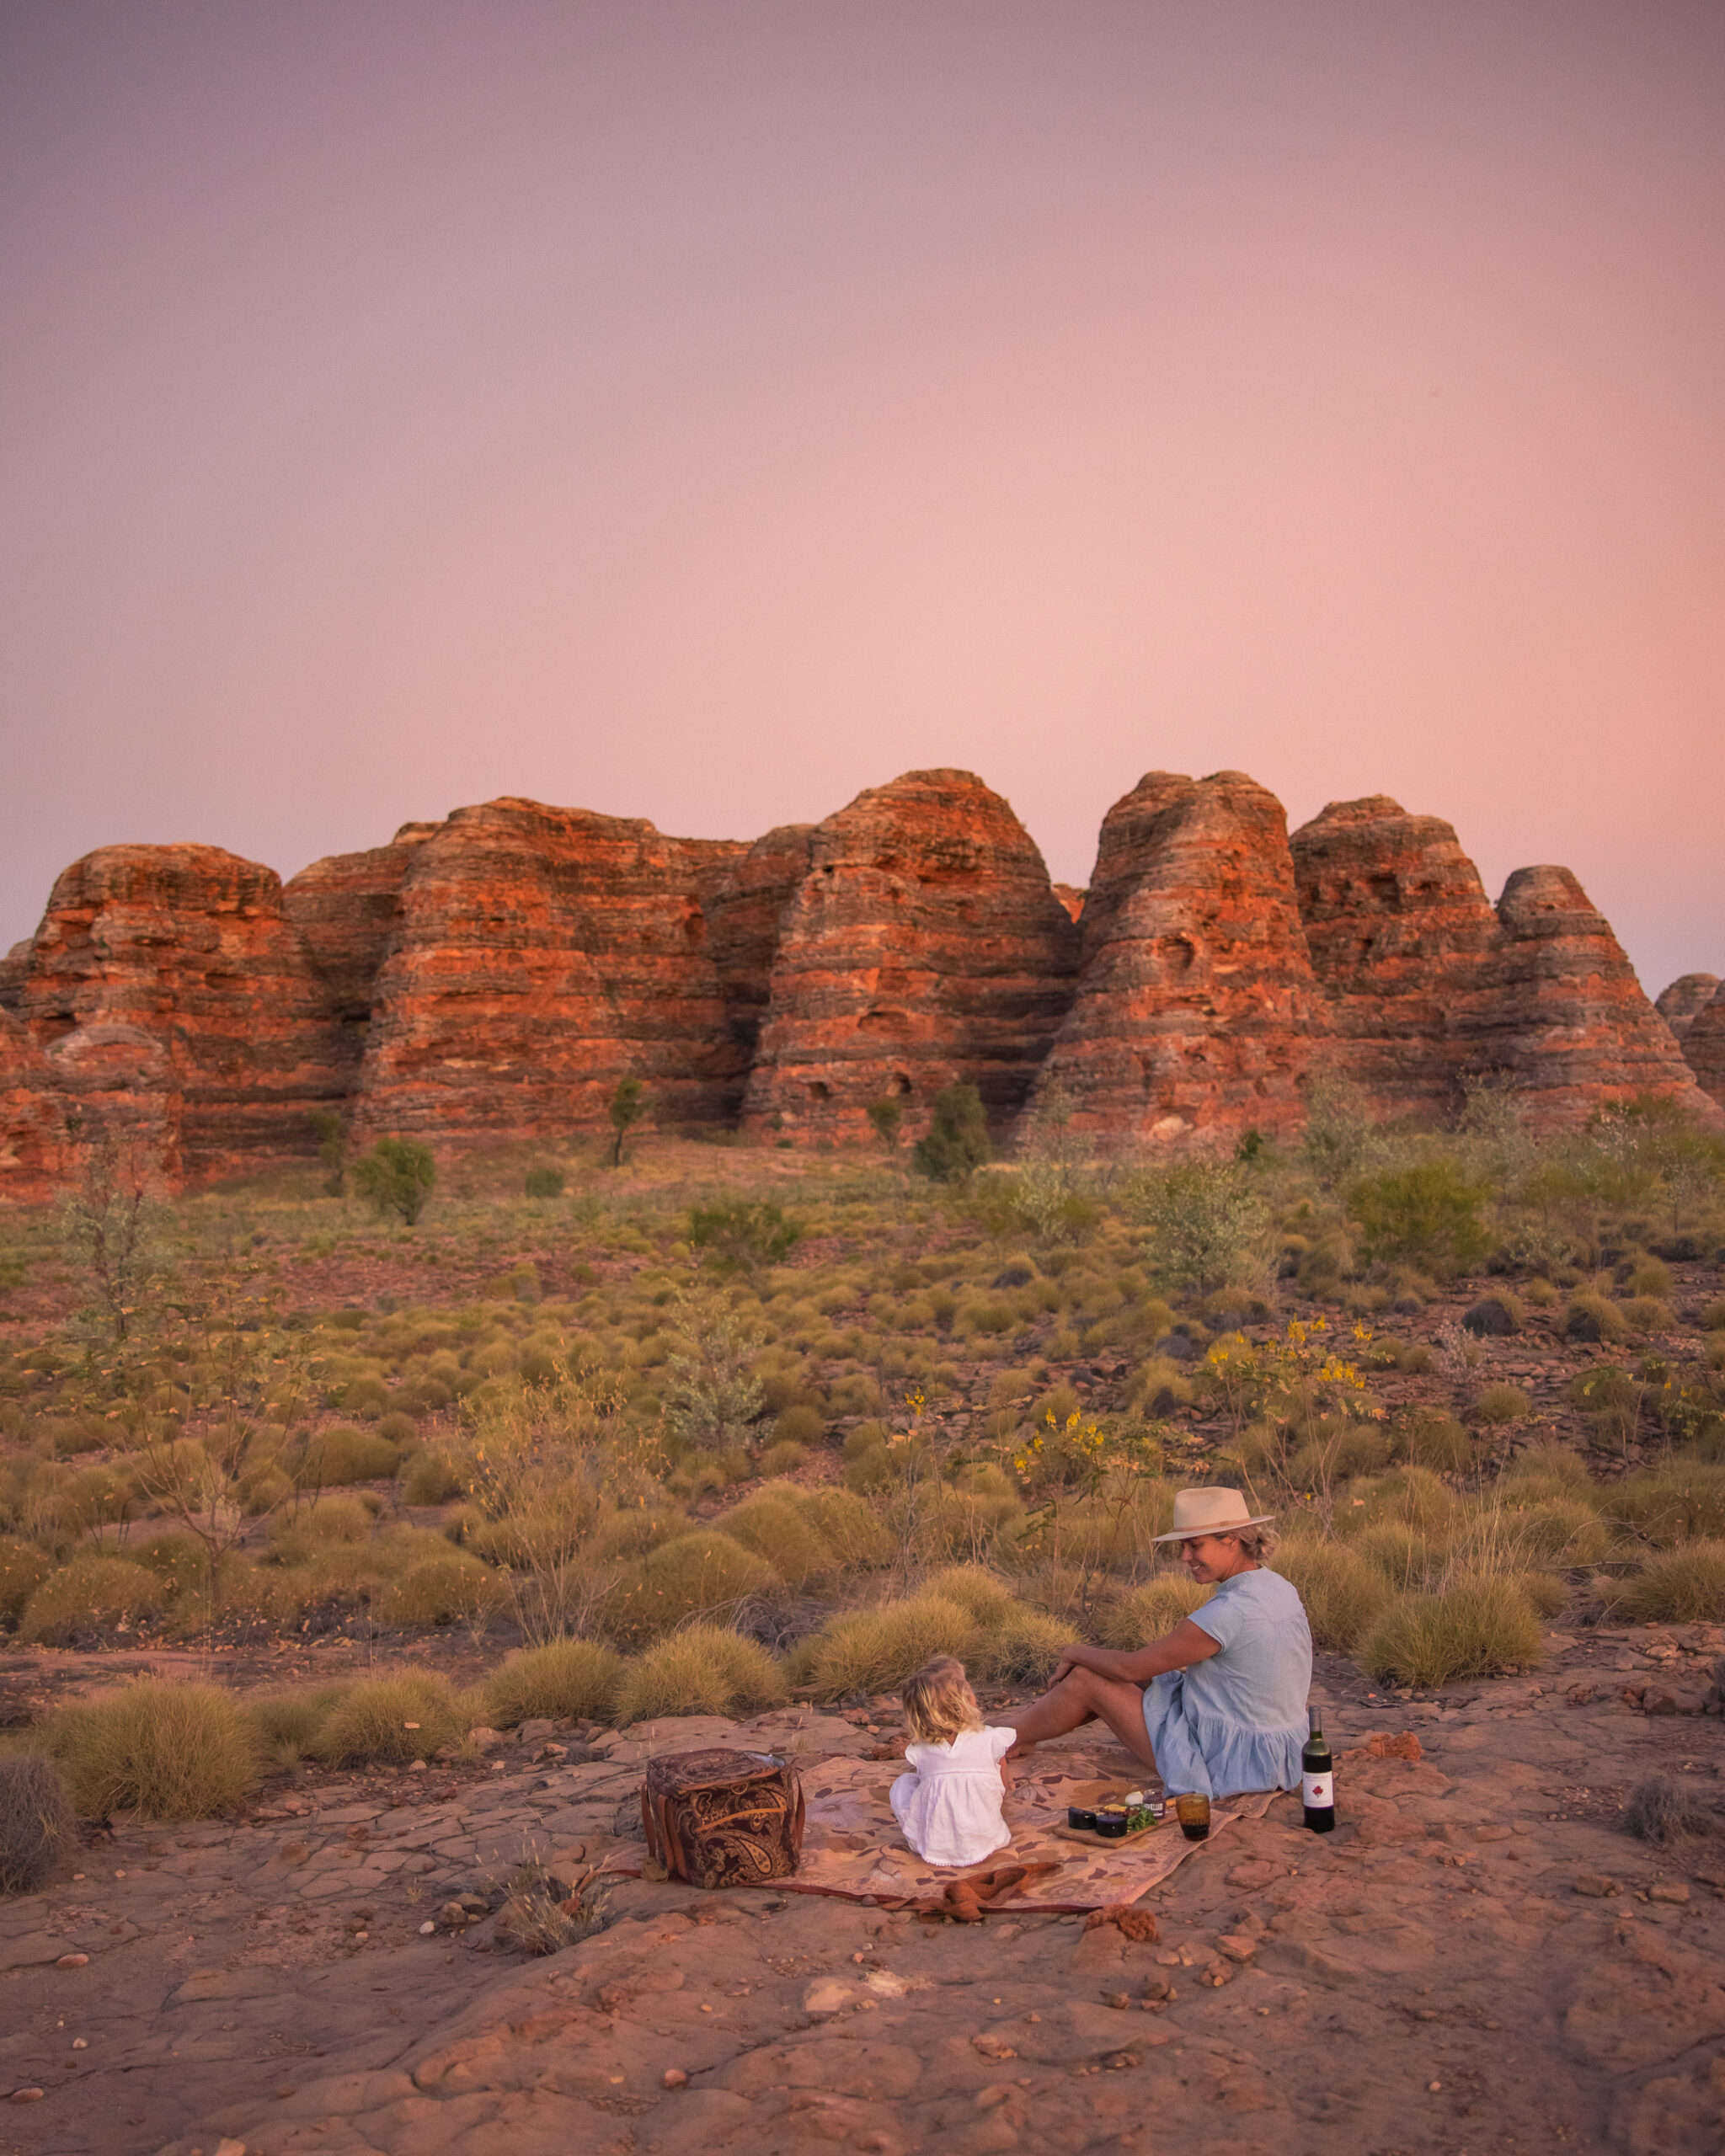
(674, 2078)
(1667, 1891)
(73, 1961)
(26, 2096)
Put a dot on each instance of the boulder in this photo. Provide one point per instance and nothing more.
(1686, 998)
(540, 955)
(923, 947)
(1196, 1009)
(178, 1008)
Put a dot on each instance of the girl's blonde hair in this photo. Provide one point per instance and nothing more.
(939, 1703)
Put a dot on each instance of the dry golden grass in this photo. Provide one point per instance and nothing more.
(170, 1751)
(1142, 1614)
(38, 1828)
(23, 1569)
(698, 1576)
(564, 1678)
(391, 1722)
(701, 1670)
(1343, 1595)
(876, 1649)
(1478, 1627)
(91, 1595)
(1684, 1586)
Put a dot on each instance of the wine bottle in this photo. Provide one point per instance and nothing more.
(1317, 1778)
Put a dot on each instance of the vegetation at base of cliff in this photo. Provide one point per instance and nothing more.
(841, 1412)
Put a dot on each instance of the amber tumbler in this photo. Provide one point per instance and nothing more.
(1193, 1814)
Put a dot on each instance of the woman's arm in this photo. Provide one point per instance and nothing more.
(1176, 1649)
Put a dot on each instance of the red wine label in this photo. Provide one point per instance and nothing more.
(1318, 1791)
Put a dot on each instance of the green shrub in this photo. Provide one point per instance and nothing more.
(698, 1575)
(294, 1536)
(397, 1428)
(800, 1423)
(1644, 1313)
(432, 1477)
(396, 1178)
(701, 1670)
(1478, 1627)
(957, 1141)
(740, 1234)
(91, 1596)
(170, 1751)
(876, 1649)
(544, 1182)
(1685, 1586)
(1548, 1463)
(1342, 1595)
(344, 1455)
(23, 1569)
(563, 1680)
(1502, 1403)
(38, 1827)
(391, 1722)
(1427, 1215)
(288, 1720)
(1652, 1276)
(1142, 1614)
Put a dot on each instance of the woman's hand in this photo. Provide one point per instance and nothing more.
(1071, 1658)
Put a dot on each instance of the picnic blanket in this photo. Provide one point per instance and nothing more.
(853, 1847)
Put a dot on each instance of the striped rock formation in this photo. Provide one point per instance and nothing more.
(923, 947)
(1681, 1004)
(1196, 1012)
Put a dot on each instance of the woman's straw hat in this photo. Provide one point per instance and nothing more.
(1210, 1512)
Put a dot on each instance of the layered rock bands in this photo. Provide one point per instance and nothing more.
(492, 977)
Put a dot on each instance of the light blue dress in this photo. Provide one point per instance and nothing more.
(1236, 1722)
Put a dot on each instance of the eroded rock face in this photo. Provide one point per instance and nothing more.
(36, 1149)
(1404, 945)
(345, 908)
(1196, 1010)
(1681, 1004)
(1571, 1025)
(176, 1006)
(541, 954)
(746, 905)
(13, 968)
(923, 947)
(1704, 1047)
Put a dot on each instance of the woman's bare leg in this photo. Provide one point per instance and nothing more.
(1082, 1696)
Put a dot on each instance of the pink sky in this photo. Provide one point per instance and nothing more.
(705, 411)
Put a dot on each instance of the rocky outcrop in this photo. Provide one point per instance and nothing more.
(746, 906)
(923, 947)
(12, 968)
(1196, 1010)
(345, 908)
(1704, 1047)
(1072, 898)
(175, 1005)
(1404, 944)
(37, 1151)
(541, 954)
(1681, 1004)
(1570, 1025)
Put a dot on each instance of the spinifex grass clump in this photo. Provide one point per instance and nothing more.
(1133, 1618)
(1662, 1812)
(170, 1751)
(701, 1670)
(1480, 1626)
(1684, 1586)
(391, 1722)
(876, 1649)
(565, 1679)
(38, 1830)
(1343, 1595)
(701, 1575)
(92, 1596)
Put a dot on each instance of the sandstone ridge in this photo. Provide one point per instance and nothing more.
(491, 977)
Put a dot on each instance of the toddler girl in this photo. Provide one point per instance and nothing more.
(950, 1807)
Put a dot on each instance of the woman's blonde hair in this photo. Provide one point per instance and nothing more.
(939, 1703)
(1257, 1543)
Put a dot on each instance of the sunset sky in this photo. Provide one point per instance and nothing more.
(704, 411)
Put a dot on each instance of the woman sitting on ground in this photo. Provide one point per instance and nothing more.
(1217, 1706)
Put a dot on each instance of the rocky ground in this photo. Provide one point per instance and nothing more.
(1480, 1958)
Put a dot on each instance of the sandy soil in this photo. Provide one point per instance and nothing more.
(1480, 1958)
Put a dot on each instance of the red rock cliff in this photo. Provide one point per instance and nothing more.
(923, 947)
(1570, 1024)
(1681, 1004)
(1196, 1008)
(1404, 944)
(541, 954)
(174, 1003)
(36, 1149)
(1704, 1047)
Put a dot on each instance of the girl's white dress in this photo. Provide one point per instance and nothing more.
(950, 1807)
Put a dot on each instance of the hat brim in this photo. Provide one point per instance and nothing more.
(1229, 1527)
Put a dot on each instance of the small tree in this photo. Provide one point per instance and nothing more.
(331, 1150)
(1427, 1214)
(396, 1178)
(1209, 1224)
(630, 1104)
(714, 1399)
(957, 1143)
(888, 1118)
(111, 1226)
